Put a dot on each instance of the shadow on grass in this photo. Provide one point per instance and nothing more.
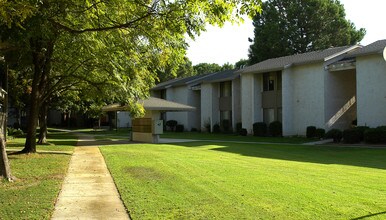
(370, 215)
(362, 157)
(102, 142)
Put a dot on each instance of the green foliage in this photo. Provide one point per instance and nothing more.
(259, 129)
(375, 135)
(352, 136)
(14, 132)
(239, 126)
(275, 128)
(171, 124)
(286, 27)
(180, 128)
(226, 126)
(335, 134)
(311, 132)
(241, 63)
(204, 68)
(216, 128)
(320, 133)
(243, 132)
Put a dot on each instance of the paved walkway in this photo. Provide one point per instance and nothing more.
(88, 191)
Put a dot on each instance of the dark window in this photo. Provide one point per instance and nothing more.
(268, 82)
(226, 89)
(279, 85)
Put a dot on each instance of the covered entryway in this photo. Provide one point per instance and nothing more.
(148, 128)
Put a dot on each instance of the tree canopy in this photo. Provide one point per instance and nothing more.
(288, 27)
(113, 49)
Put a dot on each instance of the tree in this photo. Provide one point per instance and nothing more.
(227, 66)
(287, 27)
(204, 68)
(241, 63)
(127, 40)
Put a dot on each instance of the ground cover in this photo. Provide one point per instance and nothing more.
(39, 177)
(202, 180)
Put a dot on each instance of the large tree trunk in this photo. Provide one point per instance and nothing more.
(42, 54)
(5, 170)
(43, 124)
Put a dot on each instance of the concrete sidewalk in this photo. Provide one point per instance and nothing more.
(88, 191)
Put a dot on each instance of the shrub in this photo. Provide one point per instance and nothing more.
(15, 132)
(243, 132)
(352, 136)
(311, 132)
(216, 128)
(320, 133)
(275, 128)
(194, 130)
(226, 125)
(238, 127)
(335, 134)
(259, 129)
(171, 124)
(375, 135)
(361, 133)
(207, 125)
(179, 128)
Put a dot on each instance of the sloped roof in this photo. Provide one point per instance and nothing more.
(279, 63)
(152, 103)
(220, 76)
(178, 82)
(373, 48)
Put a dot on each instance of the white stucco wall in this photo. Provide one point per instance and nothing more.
(236, 102)
(178, 94)
(124, 119)
(303, 98)
(206, 104)
(247, 116)
(371, 90)
(257, 98)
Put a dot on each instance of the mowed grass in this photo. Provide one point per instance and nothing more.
(39, 177)
(235, 137)
(202, 180)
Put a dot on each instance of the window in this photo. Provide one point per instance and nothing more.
(269, 115)
(226, 89)
(268, 82)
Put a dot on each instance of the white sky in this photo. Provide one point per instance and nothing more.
(230, 43)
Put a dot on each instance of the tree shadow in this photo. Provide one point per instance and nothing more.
(353, 156)
(87, 143)
(370, 215)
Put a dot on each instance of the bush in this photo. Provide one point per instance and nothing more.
(243, 132)
(207, 125)
(179, 128)
(311, 132)
(171, 124)
(194, 130)
(259, 129)
(238, 127)
(275, 128)
(226, 125)
(352, 136)
(14, 132)
(335, 134)
(361, 133)
(375, 135)
(320, 133)
(216, 128)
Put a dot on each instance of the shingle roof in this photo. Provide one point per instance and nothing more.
(222, 76)
(279, 63)
(178, 82)
(152, 103)
(373, 48)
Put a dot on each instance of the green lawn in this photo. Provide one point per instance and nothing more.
(202, 180)
(39, 177)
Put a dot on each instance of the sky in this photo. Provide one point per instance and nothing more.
(230, 43)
